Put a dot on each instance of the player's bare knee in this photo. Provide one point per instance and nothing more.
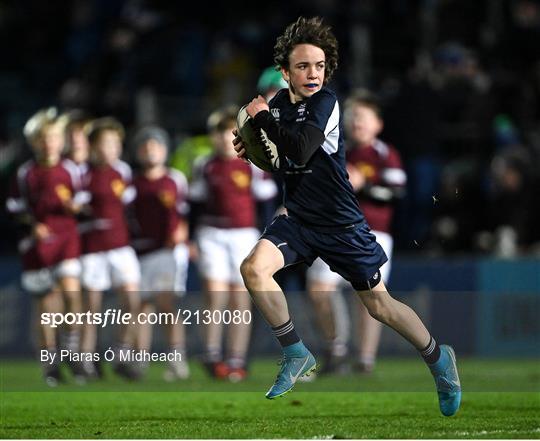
(253, 269)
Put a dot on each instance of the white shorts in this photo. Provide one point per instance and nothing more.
(41, 281)
(164, 270)
(110, 269)
(321, 272)
(222, 250)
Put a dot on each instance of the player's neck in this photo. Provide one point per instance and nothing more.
(295, 98)
(155, 172)
(365, 144)
(48, 162)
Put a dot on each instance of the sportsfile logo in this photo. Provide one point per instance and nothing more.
(117, 317)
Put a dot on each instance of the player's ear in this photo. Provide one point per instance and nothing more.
(285, 74)
(381, 125)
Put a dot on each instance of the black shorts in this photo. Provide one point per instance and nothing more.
(354, 253)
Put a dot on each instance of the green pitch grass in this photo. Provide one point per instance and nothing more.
(501, 400)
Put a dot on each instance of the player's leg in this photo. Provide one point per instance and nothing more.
(332, 317)
(369, 334)
(50, 302)
(167, 301)
(257, 270)
(89, 339)
(125, 279)
(240, 241)
(357, 256)
(273, 252)
(400, 317)
(369, 329)
(95, 280)
(48, 299)
(440, 359)
(68, 274)
(144, 331)
(175, 333)
(239, 333)
(216, 298)
(214, 269)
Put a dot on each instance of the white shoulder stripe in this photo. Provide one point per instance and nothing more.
(74, 173)
(22, 173)
(331, 132)
(394, 176)
(124, 169)
(179, 179)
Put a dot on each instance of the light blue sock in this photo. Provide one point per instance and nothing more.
(440, 364)
(295, 350)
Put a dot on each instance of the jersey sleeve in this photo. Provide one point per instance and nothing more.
(198, 190)
(129, 193)
(393, 173)
(182, 191)
(323, 111)
(16, 202)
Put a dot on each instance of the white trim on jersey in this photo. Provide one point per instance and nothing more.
(21, 180)
(394, 176)
(74, 172)
(261, 188)
(124, 169)
(16, 205)
(381, 148)
(82, 197)
(198, 189)
(130, 193)
(331, 132)
(182, 188)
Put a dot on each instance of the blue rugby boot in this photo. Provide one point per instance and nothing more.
(446, 377)
(297, 361)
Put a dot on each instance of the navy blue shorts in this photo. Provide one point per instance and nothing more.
(354, 254)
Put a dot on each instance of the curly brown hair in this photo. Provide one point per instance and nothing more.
(308, 31)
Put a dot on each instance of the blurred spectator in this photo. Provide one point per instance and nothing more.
(224, 192)
(471, 61)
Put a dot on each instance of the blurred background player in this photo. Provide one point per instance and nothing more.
(108, 260)
(224, 194)
(270, 82)
(378, 178)
(77, 144)
(43, 198)
(161, 233)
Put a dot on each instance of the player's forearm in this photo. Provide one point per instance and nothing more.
(300, 147)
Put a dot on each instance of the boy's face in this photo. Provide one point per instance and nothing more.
(363, 124)
(79, 146)
(152, 153)
(48, 147)
(305, 73)
(108, 147)
(223, 142)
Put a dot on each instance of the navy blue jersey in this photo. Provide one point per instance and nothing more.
(318, 193)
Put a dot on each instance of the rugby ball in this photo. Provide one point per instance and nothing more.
(260, 150)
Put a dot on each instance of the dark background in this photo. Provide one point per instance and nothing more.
(459, 81)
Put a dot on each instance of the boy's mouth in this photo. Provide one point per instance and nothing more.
(311, 86)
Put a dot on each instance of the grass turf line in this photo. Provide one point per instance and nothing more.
(71, 412)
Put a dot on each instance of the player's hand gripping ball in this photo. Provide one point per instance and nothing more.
(260, 150)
